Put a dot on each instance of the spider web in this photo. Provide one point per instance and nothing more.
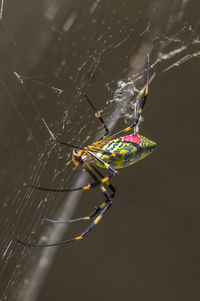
(52, 52)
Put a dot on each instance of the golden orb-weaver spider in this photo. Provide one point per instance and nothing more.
(107, 153)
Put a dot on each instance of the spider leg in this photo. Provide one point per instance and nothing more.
(97, 209)
(143, 102)
(106, 165)
(104, 206)
(86, 187)
(90, 147)
(138, 113)
(98, 115)
(70, 145)
(82, 235)
(112, 188)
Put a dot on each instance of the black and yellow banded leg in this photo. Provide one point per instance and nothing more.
(111, 187)
(138, 113)
(98, 115)
(143, 102)
(88, 168)
(81, 236)
(118, 133)
(85, 218)
(100, 150)
(86, 187)
(97, 209)
(89, 147)
(106, 165)
(95, 222)
(108, 196)
(104, 180)
(104, 206)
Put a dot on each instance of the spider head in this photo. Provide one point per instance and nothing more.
(78, 156)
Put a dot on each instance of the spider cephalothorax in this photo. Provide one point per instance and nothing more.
(78, 156)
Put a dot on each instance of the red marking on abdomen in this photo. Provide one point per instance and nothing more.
(132, 138)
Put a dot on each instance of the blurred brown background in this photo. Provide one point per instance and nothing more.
(147, 246)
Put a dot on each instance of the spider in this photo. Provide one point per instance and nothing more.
(110, 153)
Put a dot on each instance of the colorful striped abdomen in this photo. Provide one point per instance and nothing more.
(128, 150)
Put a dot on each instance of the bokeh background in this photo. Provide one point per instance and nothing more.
(147, 246)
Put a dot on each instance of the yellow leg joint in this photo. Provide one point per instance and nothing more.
(86, 187)
(127, 129)
(104, 179)
(79, 237)
(97, 219)
(102, 205)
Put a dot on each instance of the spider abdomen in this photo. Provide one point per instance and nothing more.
(127, 150)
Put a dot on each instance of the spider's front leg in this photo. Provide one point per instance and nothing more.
(98, 115)
(138, 112)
